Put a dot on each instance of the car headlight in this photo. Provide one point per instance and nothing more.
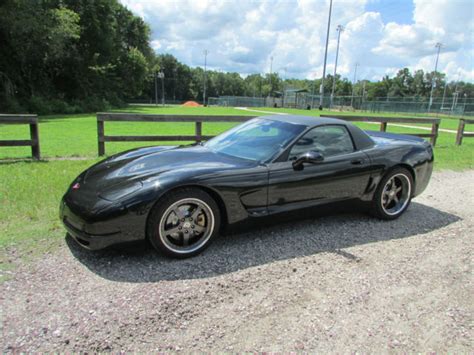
(120, 191)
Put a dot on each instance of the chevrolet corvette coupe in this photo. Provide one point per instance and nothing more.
(179, 197)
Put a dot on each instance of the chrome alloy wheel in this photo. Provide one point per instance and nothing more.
(396, 194)
(186, 225)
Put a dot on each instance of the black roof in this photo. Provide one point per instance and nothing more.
(361, 139)
(309, 121)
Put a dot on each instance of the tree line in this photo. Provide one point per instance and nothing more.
(70, 56)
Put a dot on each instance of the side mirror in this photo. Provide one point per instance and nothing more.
(311, 157)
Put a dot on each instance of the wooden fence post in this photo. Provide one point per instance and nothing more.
(460, 133)
(434, 132)
(35, 144)
(100, 136)
(383, 126)
(198, 131)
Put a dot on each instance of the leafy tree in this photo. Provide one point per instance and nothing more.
(82, 53)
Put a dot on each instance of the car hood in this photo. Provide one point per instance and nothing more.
(125, 173)
(140, 164)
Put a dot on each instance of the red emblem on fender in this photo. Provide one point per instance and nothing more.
(76, 186)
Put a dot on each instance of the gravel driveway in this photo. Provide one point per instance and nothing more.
(340, 283)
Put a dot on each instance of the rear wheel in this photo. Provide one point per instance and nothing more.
(183, 223)
(393, 195)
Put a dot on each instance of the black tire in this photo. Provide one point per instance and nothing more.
(382, 201)
(161, 214)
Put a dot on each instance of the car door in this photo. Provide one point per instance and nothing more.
(343, 174)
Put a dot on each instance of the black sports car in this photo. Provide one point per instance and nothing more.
(178, 197)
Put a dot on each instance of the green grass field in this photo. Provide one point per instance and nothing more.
(76, 135)
(30, 191)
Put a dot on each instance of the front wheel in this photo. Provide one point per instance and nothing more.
(183, 223)
(393, 195)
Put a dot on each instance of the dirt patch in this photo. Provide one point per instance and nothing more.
(191, 104)
(332, 283)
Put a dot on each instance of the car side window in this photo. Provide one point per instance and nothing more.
(329, 140)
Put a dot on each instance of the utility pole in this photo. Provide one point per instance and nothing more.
(161, 75)
(205, 77)
(438, 45)
(353, 85)
(339, 29)
(321, 90)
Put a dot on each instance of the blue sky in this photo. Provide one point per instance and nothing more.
(381, 35)
(400, 11)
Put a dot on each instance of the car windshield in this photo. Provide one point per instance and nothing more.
(258, 139)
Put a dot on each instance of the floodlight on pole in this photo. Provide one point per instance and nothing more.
(206, 52)
(321, 97)
(339, 29)
(438, 45)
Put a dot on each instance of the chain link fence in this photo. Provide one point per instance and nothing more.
(459, 106)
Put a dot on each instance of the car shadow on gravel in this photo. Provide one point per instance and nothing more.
(264, 240)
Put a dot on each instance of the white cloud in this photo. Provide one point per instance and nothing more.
(243, 35)
(450, 22)
(155, 44)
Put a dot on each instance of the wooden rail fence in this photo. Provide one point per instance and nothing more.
(130, 117)
(34, 141)
(460, 135)
(384, 121)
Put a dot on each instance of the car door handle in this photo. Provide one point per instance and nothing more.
(357, 162)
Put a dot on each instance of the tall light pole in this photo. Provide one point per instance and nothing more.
(455, 93)
(161, 75)
(444, 95)
(325, 57)
(339, 29)
(438, 45)
(175, 82)
(284, 87)
(353, 84)
(271, 80)
(205, 78)
(156, 88)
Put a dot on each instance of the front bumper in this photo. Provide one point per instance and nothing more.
(103, 235)
(92, 242)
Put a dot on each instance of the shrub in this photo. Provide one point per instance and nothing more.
(38, 105)
(11, 105)
(94, 104)
(42, 106)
